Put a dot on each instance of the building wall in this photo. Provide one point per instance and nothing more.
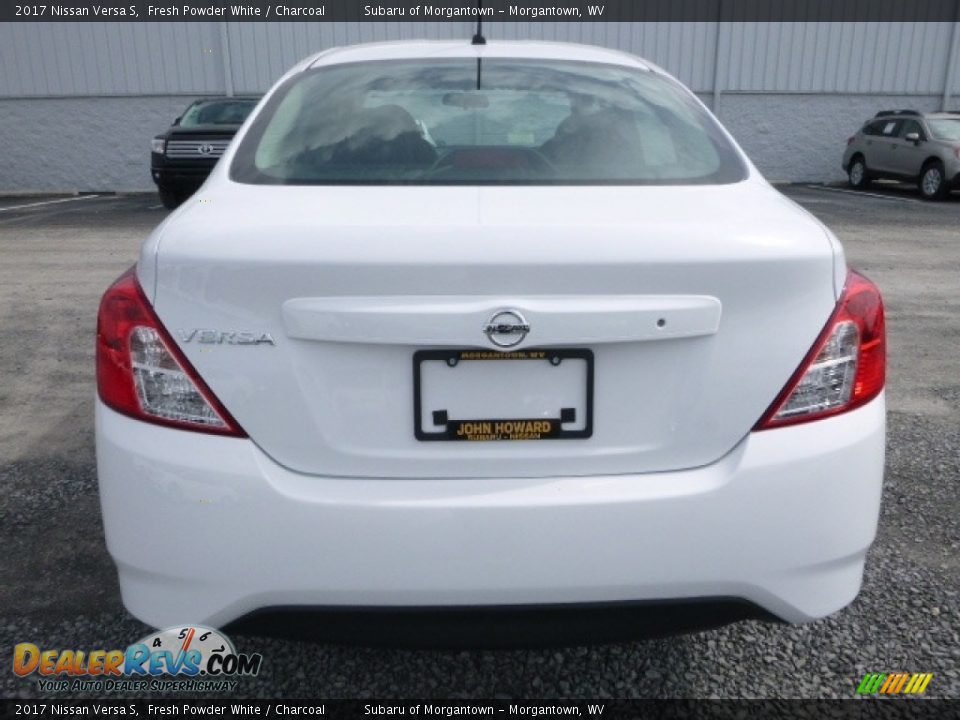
(81, 143)
(80, 101)
(801, 138)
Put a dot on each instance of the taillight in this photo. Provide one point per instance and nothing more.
(851, 139)
(142, 373)
(845, 368)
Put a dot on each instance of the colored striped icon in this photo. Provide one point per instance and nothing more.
(894, 683)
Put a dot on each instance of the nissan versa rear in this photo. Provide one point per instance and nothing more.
(509, 328)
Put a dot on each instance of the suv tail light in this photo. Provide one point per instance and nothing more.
(851, 139)
(142, 373)
(845, 368)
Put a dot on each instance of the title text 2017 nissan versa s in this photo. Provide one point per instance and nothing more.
(511, 331)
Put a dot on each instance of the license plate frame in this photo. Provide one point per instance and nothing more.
(500, 432)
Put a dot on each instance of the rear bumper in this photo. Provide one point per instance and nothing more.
(847, 157)
(504, 626)
(209, 529)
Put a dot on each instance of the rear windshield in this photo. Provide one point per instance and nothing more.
(496, 121)
(217, 112)
(945, 128)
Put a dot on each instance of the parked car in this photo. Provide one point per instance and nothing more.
(465, 332)
(183, 156)
(907, 145)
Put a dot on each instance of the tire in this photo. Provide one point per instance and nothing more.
(171, 197)
(857, 174)
(933, 181)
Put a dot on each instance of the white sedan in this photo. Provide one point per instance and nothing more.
(511, 330)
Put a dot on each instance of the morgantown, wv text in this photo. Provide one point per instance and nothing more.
(434, 12)
(515, 710)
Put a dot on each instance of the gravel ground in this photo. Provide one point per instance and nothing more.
(58, 588)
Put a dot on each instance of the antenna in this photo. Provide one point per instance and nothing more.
(478, 38)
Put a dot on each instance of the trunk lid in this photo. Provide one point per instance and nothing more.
(697, 304)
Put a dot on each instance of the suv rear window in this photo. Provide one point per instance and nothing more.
(495, 121)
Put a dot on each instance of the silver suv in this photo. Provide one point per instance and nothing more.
(907, 145)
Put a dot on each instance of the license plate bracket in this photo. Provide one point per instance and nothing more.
(572, 418)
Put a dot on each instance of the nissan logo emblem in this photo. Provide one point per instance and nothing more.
(507, 328)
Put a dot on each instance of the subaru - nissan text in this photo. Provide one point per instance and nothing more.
(512, 328)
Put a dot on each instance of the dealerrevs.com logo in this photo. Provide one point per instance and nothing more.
(184, 658)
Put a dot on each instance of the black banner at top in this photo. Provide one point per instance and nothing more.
(387, 709)
(487, 10)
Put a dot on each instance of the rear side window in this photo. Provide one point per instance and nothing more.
(496, 121)
(911, 126)
(890, 128)
(885, 127)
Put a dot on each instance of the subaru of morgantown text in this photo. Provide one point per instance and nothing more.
(504, 330)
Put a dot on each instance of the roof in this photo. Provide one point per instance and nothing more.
(946, 114)
(529, 49)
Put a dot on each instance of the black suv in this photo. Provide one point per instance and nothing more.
(183, 156)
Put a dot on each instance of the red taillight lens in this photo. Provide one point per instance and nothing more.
(142, 373)
(845, 368)
(851, 139)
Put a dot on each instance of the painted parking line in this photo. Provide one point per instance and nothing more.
(49, 202)
(863, 193)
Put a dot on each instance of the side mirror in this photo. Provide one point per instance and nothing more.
(177, 121)
(912, 137)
